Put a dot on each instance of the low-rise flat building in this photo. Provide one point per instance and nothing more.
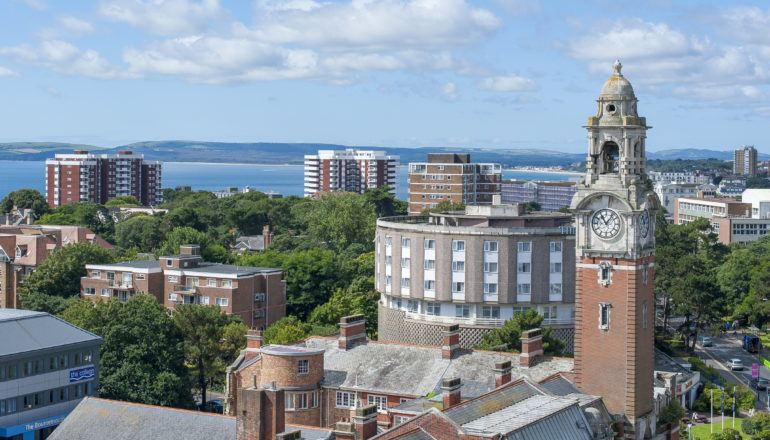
(47, 366)
(731, 220)
(550, 195)
(680, 177)
(257, 295)
(759, 198)
(23, 248)
(452, 178)
(668, 192)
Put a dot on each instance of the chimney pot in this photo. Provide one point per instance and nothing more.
(365, 422)
(502, 372)
(450, 346)
(352, 331)
(531, 347)
(450, 392)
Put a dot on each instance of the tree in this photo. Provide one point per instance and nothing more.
(311, 276)
(25, 199)
(143, 232)
(57, 278)
(339, 220)
(142, 353)
(727, 434)
(180, 236)
(90, 215)
(122, 201)
(203, 330)
(287, 330)
(508, 337)
(384, 202)
(672, 413)
(532, 206)
(445, 206)
(358, 298)
(758, 182)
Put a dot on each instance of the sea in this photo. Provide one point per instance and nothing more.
(284, 179)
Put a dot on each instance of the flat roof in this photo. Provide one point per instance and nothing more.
(229, 269)
(25, 331)
(133, 264)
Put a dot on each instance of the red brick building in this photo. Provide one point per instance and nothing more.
(257, 295)
(23, 248)
(87, 177)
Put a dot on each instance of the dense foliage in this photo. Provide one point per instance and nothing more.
(508, 337)
(24, 199)
(667, 166)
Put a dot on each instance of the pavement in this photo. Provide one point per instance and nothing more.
(729, 347)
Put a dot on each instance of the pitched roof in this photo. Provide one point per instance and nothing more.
(413, 370)
(26, 331)
(97, 419)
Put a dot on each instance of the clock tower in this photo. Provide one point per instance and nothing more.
(615, 243)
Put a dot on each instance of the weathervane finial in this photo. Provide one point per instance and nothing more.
(616, 66)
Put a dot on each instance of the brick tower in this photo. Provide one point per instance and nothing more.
(615, 210)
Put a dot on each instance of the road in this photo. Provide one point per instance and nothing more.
(727, 348)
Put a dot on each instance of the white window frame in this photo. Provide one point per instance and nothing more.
(490, 266)
(433, 308)
(211, 282)
(380, 401)
(405, 262)
(223, 302)
(303, 366)
(406, 282)
(227, 283)
(555, 246)
(429, 285)
(458, 286)
(406, 242)
(96, 274)
(458, 266)
(490, 312)
(556, 267)
(429, 264)
(524, 247)
(490, 288)
(604, 318)
(458, 245)
(522, 290)
(345, 399)
(490, 246)
(524, 267)
(462, 311)
(555, 288)
(173, 279)
(429, 244)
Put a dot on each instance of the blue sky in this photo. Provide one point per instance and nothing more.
(496, 73)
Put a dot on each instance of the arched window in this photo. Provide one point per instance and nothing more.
(610, 158)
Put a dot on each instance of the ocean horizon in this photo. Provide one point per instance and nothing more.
(284, 179)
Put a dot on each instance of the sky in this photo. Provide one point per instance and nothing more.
(400, 73)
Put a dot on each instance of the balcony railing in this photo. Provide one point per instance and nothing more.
(485, 322)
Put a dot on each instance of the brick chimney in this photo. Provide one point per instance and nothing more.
(531, 346)
(450, 392)
(352, 331)
(290, 435)
(253, 343)
(344, 431)
(450, 345)
(267, 236)
(190, 249)
(365, 422)
(502, 373)
(260, 414)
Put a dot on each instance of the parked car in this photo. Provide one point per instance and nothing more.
(706, 341)
(735, 364)
(760, 383)
(213, 406)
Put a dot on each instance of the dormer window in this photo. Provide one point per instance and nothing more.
(21, 251)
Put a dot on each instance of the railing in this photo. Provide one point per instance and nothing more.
(486, 322)
(119, 284)
(184, 289)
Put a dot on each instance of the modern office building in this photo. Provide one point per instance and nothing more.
(89, 177)
(759, 198)
(745, 161)
(474, 268)
(23, 248)
(257, 295)
(668, 192)
(47, 366)
(732, 221)
(550, 195)
(452, 178)
(348, 170)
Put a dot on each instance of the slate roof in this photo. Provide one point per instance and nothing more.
(558, 385)
(250, 242)
(25, 331)
(97, 419)
(412, 370)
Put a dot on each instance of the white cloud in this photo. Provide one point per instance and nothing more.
(38, 5)
(450, 92)
(508, 83)
(64, 57)
(672, 62)
(330, 41)
(4, 71)
(163, 17)
(376, 24)
(74, 24)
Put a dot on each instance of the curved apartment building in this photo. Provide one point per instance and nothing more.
(476, 269)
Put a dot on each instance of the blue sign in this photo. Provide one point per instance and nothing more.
(82, 374)
(31, 427)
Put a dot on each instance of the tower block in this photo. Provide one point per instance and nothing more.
(615, 210)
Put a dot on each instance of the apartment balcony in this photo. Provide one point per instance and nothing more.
(117, 284)
(183, 289)
(481, 322)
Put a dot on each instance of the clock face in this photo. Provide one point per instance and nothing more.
(644, 223)
(606, 223)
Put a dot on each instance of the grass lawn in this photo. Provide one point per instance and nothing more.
(703, 432)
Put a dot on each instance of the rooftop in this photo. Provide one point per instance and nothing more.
(96, 419)
(25, 331)
(229, 269)
(413, 370)
(133, 264)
